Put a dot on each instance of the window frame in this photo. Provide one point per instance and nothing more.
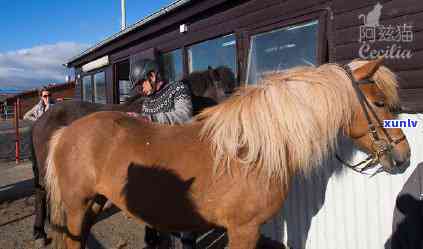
(83, 86)
(94, 87)
(91, 75)
(247, 34)
(237, 52)
(183, 53)
(115, 83)
(185, 60)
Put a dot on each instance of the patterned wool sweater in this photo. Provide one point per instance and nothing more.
(170, 105)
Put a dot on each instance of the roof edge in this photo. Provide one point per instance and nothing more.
(163, 11)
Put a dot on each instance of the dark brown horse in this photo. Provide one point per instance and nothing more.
(204, 86)
(60, 115)
(232, 166)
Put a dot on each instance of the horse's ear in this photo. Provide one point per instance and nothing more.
(367, 70)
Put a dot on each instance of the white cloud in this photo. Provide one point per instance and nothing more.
(37, 66)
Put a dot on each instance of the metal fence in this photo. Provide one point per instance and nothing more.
(7, 112)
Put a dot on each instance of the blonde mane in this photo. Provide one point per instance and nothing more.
(385, 80)
(287, 123)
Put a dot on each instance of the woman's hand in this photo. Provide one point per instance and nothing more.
(138, 116)
(133, 114)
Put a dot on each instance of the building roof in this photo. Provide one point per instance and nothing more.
(4, 97)
(163, 11)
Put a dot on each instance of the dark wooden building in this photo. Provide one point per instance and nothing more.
(252, 37)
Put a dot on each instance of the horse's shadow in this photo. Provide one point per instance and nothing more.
(306, 197)
(16, 191)
(159, 196)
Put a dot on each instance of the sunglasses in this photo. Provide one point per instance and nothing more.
(47, 95)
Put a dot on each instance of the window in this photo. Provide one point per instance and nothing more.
(172, 65)
(282, 49)
(218, 55)
(94, 88)
(213, 53)
(87, 90)
(100, 88)
(124, 90)
(124, 85)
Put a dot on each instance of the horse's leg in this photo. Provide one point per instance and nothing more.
(243, 237)
(90, 213)
(77, 225)
(40, 216)
(97, 207)
(39, 233)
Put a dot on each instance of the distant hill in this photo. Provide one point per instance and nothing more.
(9, 90)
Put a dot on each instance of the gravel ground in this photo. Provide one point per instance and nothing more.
(114, 230)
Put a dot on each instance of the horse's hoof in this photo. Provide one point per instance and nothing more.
(150, 247)
(40, 243)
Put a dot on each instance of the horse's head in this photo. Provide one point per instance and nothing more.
(376, 90)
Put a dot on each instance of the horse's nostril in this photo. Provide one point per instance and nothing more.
(402, 163)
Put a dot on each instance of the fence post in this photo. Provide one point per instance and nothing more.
(17, 141)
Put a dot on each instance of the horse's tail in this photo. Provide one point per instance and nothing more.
(57, 212)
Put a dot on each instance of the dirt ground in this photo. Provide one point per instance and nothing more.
(113, 230)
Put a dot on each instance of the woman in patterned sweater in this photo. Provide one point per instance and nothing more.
(168, 103)
(165, 103)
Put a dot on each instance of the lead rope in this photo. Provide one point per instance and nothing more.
(368, 162)
(372, 159)
(217, 240)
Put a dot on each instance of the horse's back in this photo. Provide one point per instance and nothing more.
(60, 115)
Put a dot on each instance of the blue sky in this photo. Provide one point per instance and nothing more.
(38, 36)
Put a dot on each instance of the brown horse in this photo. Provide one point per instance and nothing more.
(232, 166)
(63, 114)
(59, 115)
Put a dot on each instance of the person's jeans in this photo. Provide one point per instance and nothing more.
(151, 237)
(188, 240)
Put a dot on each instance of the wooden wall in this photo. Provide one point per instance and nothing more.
(345, 45)
(208, 19)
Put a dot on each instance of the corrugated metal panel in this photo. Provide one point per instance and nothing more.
(338, 208)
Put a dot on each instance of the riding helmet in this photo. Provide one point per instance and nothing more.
(140, 70)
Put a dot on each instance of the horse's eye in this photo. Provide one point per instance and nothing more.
(379, 103)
